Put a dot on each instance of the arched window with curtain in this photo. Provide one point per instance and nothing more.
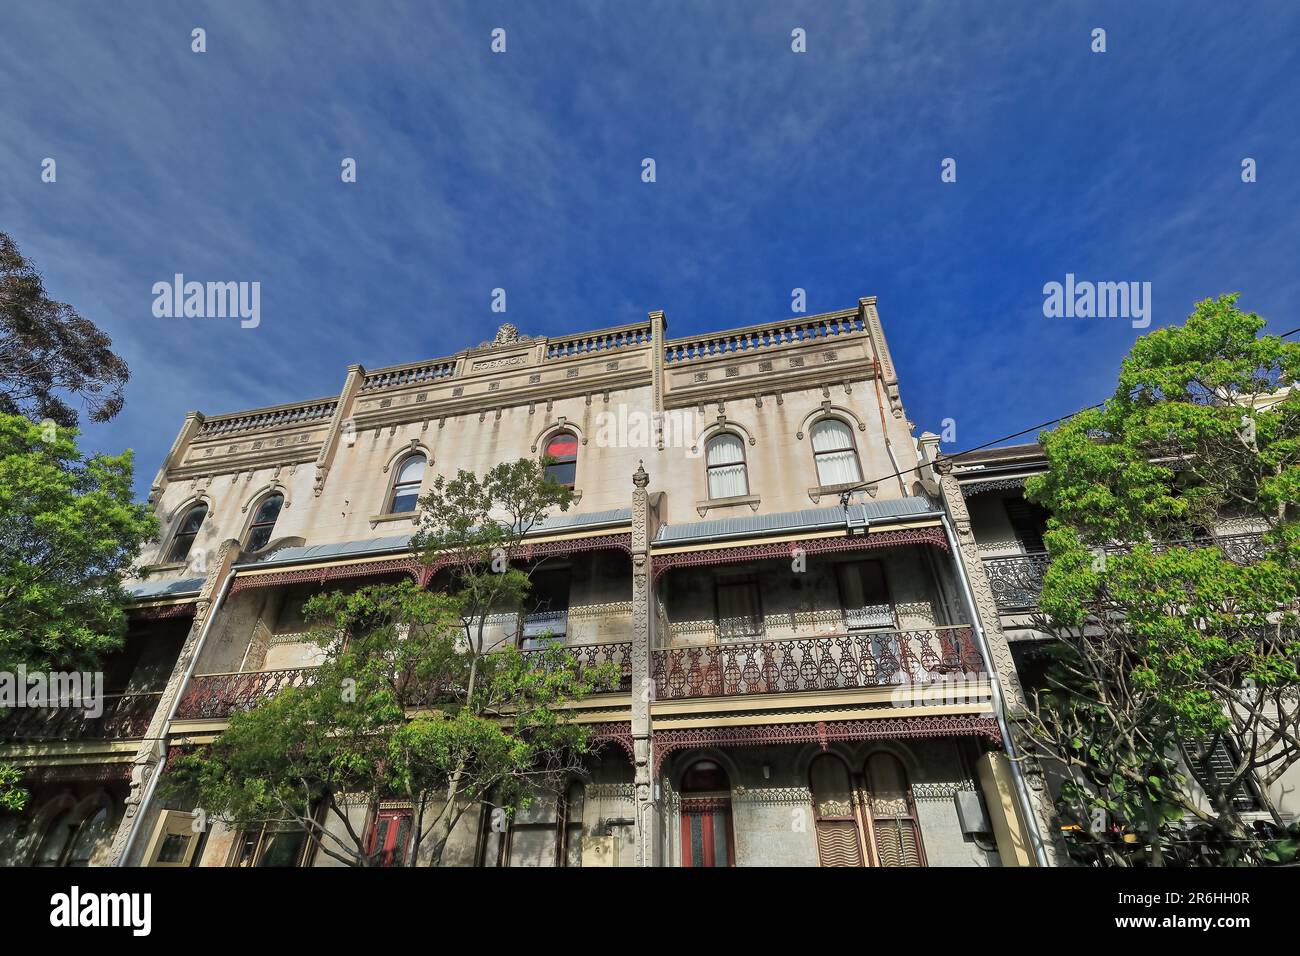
(561, 458)
(407, 484)
(263, 524)
(706, 816)
(724, 456)
(835, 453)
(186, 532)
(894, 825)
(839, 841)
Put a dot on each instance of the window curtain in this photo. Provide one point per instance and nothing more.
(837, 461)
(726, 463)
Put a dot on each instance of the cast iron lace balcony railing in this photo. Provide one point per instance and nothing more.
(217, 696)
(877, 659)
(1017, 580)
(125, 717)
(593, 655)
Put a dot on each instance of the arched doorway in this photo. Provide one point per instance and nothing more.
(706, 816)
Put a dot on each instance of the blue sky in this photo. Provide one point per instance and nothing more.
(522, 171)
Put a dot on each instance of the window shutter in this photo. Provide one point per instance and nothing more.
(837, 843)
(897, 843)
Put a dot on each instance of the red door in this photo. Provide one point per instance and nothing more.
(388, 837)
(706, 832)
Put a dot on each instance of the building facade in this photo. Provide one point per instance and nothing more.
(817, 661)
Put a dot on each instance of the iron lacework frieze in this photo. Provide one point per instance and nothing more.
(873, 659)
(163, 612)
(824, 733)
(783, 549)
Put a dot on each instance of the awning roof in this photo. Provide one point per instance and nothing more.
(784, 522)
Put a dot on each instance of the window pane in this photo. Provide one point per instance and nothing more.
(724, 450)
(831, 434)
(564, 473)
(282, 847)
(180, 548)
(404, 500)
(738, 610)
(91, 832)
(830, 784)
(838, 467)
(563, 446)
(727, 481)
(259, 538)
(174, 846)
(888, 785)
(194, 519)
(56, 840)
(412, 470)
(269, 510)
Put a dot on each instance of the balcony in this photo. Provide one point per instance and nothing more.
(840, 662)
(217, 696)
(1017, 580)
(125, 717)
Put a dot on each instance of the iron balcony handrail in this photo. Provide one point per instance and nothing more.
(1017, 579)
(216, 696)
(858, 659)
(125, 716)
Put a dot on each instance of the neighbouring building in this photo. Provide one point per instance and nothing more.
(811, 594)
(1009, 529)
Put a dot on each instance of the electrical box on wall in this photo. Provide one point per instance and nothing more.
(971, 813)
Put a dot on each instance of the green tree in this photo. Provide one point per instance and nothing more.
(475, 529)
(48, 350)
(69, 532)
(412, 702)
(1172, 634)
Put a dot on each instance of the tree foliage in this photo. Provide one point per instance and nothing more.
(1174, 635)
(49, 350)
(69, 532)
(410, 702)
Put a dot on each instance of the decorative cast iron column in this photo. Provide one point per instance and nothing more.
(642, 687)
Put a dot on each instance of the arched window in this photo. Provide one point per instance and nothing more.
(724, 457)
(259, 532)
(839, 842)
(706, 816)
(561, 458)
(835, 453)
(76, 833)
(406, 486)
(186, 532)
(893, 813)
